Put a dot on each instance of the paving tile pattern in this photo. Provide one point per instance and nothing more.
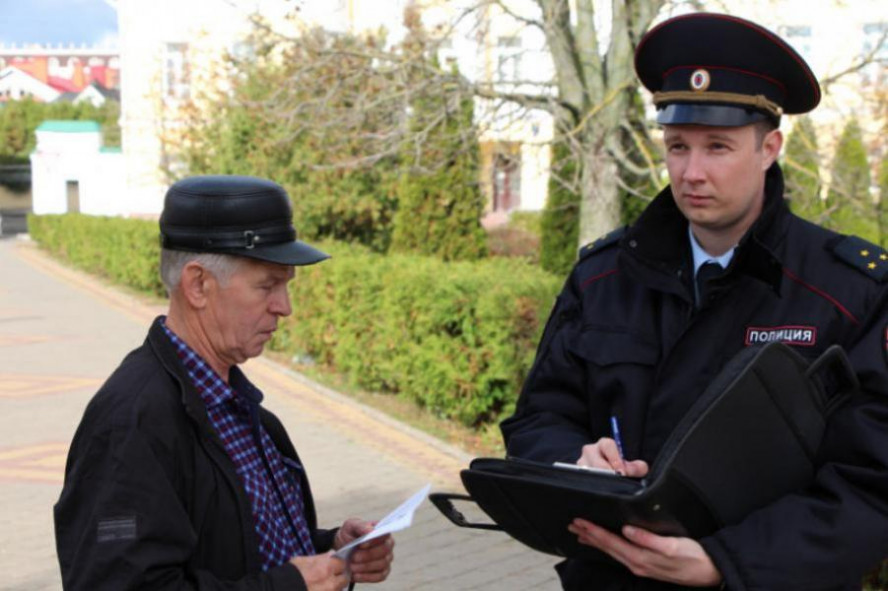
(61, 335)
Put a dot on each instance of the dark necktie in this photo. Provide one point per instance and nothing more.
(707, 271)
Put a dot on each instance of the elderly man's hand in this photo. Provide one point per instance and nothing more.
(323, 572)
(674, 560)
(371, 562)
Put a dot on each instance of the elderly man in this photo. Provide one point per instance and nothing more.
(716, 263)
(177, 478)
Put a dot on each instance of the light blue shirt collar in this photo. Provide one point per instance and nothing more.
(701, 256)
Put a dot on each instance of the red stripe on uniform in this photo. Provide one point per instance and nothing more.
(822, 294)
(586, 283)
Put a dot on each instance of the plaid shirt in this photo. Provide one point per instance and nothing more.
(268, 477)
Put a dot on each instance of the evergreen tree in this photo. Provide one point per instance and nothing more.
(439, 198)
(641, 161)
(883, 203)
(801, 170)
(560, 223)
(850, 207)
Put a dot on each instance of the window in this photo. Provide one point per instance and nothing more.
(506, 182)
(243, 51)
(508, 68)
(799, 37)
(875, 47)
(508, 61)
(797, 31)
(72, 196)
(176, 71)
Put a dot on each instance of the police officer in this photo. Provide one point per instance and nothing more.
(716, 263)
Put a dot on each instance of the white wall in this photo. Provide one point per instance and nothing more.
(149, 108)
(65, 156)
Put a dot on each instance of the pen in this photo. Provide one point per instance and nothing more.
(615, 430)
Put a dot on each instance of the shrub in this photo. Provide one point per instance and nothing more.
(510, 241)
(526, 221)
(457, 338)
(125, 251)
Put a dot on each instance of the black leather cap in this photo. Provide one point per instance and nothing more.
(237, 215)
(717, 69)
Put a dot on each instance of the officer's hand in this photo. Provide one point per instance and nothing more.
(674, 560)
(371, 561)
(323, 572)
(604, 454)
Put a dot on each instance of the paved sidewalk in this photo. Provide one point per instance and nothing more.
(62, 333)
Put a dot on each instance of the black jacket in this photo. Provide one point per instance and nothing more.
(625, 339)
(151, 499)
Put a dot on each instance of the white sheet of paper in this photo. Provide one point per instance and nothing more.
(585, 468)
(400, 518)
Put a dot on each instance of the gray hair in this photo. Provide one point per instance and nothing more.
(172, 262)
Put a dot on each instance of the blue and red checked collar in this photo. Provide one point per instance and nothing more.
(213, 390)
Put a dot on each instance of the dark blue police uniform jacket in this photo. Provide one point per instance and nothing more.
(625, 339)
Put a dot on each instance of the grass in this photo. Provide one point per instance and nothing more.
(484, 442)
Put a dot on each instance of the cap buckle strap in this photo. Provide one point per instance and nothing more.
(249, 239)
(758, 101)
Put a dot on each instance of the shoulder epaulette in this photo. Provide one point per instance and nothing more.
(866, 257)
(603, 242)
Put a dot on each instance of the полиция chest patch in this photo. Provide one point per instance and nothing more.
(803, 336)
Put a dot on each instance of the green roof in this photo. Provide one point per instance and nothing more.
(70, 126)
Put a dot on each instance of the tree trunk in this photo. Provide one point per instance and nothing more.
(599, 193)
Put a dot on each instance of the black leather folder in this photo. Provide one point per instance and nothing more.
(750, 438)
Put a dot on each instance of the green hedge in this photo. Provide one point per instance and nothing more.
(457, 338)
(126, 251)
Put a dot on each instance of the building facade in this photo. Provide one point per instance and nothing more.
(71, 172)
(167, 61)
(47, 72)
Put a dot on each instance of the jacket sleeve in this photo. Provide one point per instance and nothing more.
(322, 539)
(828, 535)
(120, 523)
(551, 418)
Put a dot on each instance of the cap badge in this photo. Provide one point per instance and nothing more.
(700, 80)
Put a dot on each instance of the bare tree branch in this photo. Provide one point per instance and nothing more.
(870, 57)
(531, 22)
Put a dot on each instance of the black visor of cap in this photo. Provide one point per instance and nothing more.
(295, 253)
(716, 115)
